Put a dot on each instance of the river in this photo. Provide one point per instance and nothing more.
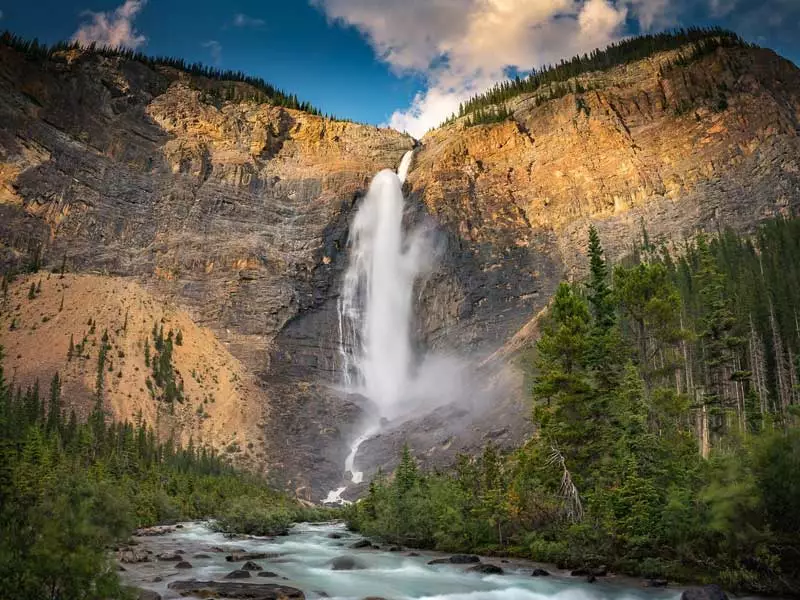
(302, 560)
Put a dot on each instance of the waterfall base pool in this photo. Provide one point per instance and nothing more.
(304, 560)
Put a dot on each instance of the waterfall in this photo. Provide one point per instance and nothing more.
(375, 316)
(405, 165)
(375, 306)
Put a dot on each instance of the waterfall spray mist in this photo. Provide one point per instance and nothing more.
(376, 312)
(375, 309)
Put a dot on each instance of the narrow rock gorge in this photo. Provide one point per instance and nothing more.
(236, 215)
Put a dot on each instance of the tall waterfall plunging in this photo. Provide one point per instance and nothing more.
(376, 302)
(376, 313)
(375, 307)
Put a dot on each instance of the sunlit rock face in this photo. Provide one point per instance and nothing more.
(240, 214)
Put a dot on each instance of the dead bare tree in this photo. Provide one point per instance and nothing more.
(573, 509)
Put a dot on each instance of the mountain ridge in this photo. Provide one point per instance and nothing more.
(238, 212)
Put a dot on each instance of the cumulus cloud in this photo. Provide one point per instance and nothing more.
(243, 20)
(112, 28)
(464, 46)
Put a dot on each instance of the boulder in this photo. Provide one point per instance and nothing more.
(267, 574)
(141, 594)
(464, 559)
(157, 530)
(456, 559)
(133, 555)
(591, 579)
(395, 549)
(656, 583)
(582, 572)
(238, 574)
(346, 563)
(234, 590)
(486, 569)
(170, 557)
(413, 554)
(334, 535)
(251, 566)
(361, 544)
(201, 556)
(184, 565)
(540, 573)
(243, 556)
(707, 592)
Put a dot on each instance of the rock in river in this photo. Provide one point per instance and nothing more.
(456, 559)
(486, 569)
(242, 556)
(229, 589)
(346, 563)
(238, 574)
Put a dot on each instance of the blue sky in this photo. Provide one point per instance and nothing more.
(403, 62)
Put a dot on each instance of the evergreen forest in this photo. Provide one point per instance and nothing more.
(665, 398)
(224, 82)
(70, 491)
(551, 82)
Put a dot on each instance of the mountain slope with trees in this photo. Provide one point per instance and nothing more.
(69, 490)
(556, 81)
(665, 393)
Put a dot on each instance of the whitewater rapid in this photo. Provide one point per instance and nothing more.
(303, 560)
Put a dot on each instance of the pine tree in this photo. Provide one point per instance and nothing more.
(599, 291)
(406, 475)
(54, 408)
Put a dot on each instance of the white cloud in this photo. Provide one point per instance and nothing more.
(215, 49)
(112, 28)
(655, 14)
(243, 20)
(464, 46)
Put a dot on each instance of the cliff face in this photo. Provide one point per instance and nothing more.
(238, 213)
(666, 149)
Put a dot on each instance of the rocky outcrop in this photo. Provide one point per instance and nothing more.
(238, 214)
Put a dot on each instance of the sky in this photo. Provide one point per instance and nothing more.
(402, 63)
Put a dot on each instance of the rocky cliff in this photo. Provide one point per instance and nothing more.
(238, 213)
